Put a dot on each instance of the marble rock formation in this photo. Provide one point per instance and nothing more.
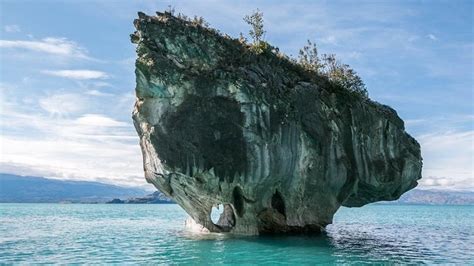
(279, 147)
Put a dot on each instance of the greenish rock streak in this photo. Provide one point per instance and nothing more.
(280, 148)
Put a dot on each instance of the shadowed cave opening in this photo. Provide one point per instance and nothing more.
(278, 204)
(238, 201)
(223, 217)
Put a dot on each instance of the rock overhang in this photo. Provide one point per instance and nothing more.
(282, 150)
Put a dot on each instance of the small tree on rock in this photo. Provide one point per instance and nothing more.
(256, 32)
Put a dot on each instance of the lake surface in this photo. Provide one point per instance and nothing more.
(88, 233)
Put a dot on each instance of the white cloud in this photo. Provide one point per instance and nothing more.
(91, 147)
(91, 160)
(99, 120)
(12, 28)
(432, 37)
(100, 84)
(448, 183)
(81, 74)
(63, 104)
(50, 45)
(448, 159)
(97, 93)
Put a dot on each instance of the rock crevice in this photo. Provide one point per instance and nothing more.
(281, 148)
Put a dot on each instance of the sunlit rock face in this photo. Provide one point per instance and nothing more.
(280, 148)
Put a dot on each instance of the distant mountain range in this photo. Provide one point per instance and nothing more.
(435, 197)
(14, 188)
(24, 189)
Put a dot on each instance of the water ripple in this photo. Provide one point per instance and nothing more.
(145, 234)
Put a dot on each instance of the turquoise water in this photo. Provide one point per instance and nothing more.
(83, 233)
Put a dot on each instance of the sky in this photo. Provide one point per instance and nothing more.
(67, 76)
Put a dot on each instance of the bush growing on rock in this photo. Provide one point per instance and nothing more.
(195, 20)
(200, 21)
(340, 74)
(308, 58)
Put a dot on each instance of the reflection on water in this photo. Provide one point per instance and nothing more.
(47, 233)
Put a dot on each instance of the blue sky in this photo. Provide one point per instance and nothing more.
(67, 80)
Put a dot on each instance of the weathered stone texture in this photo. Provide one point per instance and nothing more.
(281, 148)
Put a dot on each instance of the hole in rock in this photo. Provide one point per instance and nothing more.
(216, 212)
(238, 201)
(278, 204)
(223, 216)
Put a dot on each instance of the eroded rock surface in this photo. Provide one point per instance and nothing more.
(282, 149)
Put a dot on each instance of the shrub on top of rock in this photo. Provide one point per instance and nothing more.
(255, 20)
(328, 65)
